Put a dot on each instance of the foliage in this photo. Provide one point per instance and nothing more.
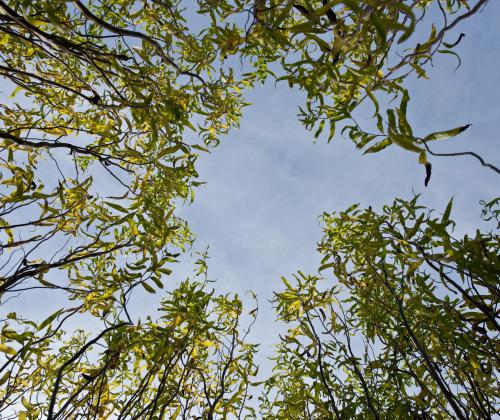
(111, 104)
(107, 100)
(193, 361)
(409, 329)
(342, 53)
(117, 87)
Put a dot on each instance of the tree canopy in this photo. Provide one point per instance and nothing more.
(410, 329)
(108, 105)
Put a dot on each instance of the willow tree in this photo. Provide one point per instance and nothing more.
(111, 103)
(95, 156)
(192, 362)
(409, 330)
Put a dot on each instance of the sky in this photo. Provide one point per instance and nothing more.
(267, 182)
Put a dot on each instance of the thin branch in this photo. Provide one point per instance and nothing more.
(50, 415)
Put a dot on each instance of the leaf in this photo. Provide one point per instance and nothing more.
(331, 131)
(442, 135)
(157, 281)
(353, 5)
(287, 284)
(326, 266)
(409, 12)
(420, 71)
(322, 314)
(326, 8)
(176, 412)
(447, 212)
(374, 100)
(116, 207)
(379, 28)
(404, 102)
(302, 10)
(325, 46)
(282, 16)
(148, 288)
(4, 377)
(422, 158)
(27, 404)
(304, 27)
(406, 142)
(403, 125)
(391, 117)
(8, 350)
(379, 146)
(320, 129)
(454, 54)
(49, 320)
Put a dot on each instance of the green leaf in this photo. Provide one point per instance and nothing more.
(374, 100)
(320, 129)
(27, 404)
(148, 288)
(410, 29)
(157, 281)
(326, 266)
(4, 377)
(447, 212)
(282, 16)
(49, 320)
(116, 207)
(304, 27)
(442, 135)
(454, 54)
(379, 146)
(403, 125)
(406, 142)
(331, 132)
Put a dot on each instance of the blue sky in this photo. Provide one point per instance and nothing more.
(268, 182)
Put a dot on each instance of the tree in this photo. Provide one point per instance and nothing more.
(194, 361)
(111, 103)
(101, 99)
(408, 330)
(344, 53)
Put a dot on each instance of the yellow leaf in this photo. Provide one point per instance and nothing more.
(27, 404)
(295, 305)
(7, 349)
(176, 413)
(4, 378)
